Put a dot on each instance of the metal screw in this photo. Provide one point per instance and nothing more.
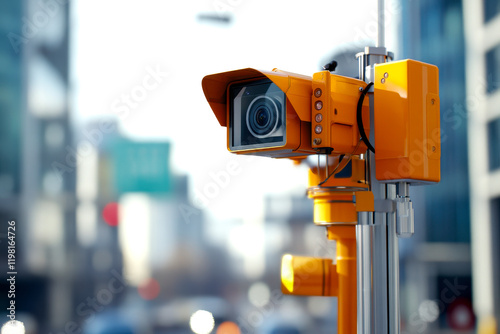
(360, 89)
(317, 141)
(433, 101)
(382, 80)
(386, 75)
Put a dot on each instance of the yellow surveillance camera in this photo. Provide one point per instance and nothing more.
(286, 115)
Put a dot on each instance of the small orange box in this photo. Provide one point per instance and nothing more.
(406, 117)
(338, 99)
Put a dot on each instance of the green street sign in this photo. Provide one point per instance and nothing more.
(142, 167)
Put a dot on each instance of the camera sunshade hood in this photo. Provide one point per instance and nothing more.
(297, 88)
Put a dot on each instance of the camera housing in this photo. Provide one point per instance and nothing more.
(281, 115)
(266, 113)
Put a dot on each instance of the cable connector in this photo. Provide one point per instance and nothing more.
(405, 216)
(405, 226)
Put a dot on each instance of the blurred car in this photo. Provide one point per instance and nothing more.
(110, 322)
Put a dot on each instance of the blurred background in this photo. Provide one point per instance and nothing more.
(131, 215)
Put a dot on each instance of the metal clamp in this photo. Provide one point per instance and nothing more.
(405, 221)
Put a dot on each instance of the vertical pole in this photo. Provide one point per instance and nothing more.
(364, 247)
(376, 236)
(381, 23)
(393, 265)
(392, 238)
(372, 236)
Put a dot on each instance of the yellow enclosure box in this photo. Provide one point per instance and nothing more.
(406, 117)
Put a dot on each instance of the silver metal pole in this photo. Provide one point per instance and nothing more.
(380, 308)
(364, 250)
(376, 234)
(393, 266)
(381, 23)
(371, 234)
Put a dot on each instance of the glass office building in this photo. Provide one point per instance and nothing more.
(482, 27)
(433, 32)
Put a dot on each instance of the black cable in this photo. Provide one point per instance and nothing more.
(341, 157)
(359, 118)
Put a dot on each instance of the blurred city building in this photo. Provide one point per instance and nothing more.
(36, 137)
(67, 184)
(482, 35)
(436, 262)
(11, 106)
(136, 223)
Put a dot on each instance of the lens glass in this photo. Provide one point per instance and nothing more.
(257, 116)
(262, 116)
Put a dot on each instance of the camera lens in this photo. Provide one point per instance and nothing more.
(262, 116)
